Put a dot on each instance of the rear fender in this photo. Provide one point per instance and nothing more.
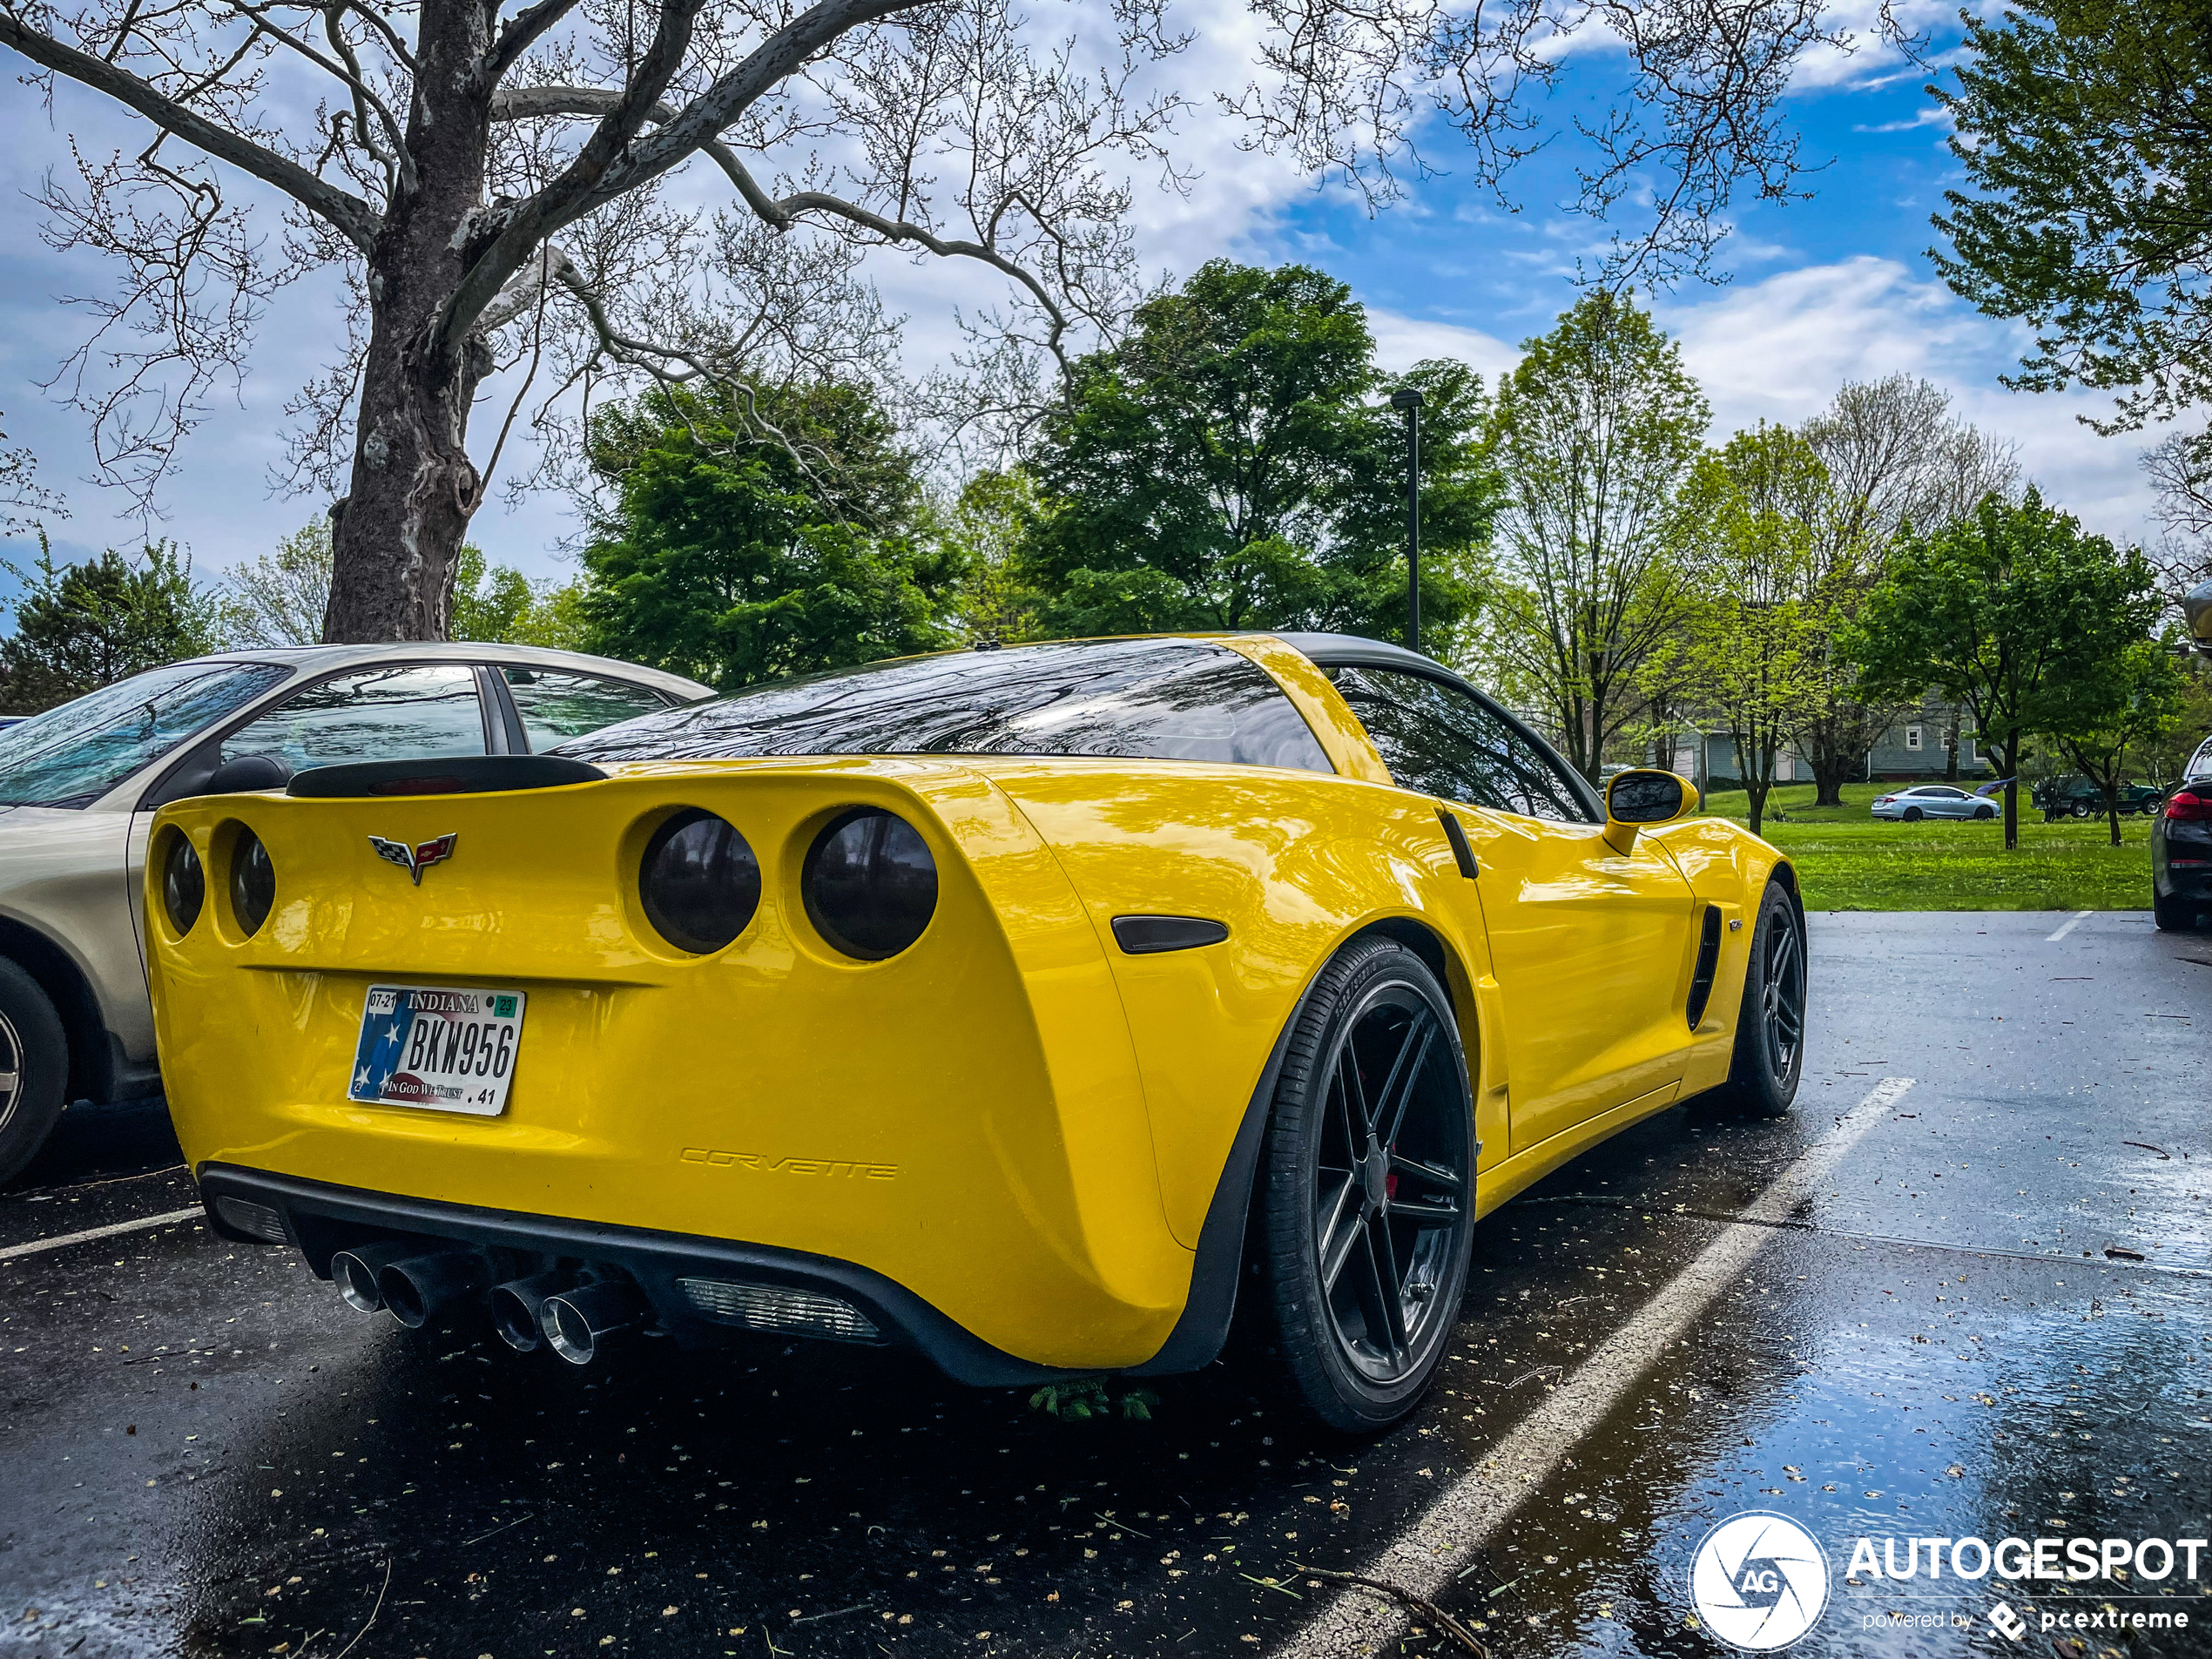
(1293, 865)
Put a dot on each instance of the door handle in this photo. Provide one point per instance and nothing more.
(1462, 854)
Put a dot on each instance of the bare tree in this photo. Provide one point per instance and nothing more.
(25, 502)
(2181, 470)
(1896, 456)
(499, 187)
(279, 599)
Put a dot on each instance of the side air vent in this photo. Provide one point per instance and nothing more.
(460, 775)
(1708, 962)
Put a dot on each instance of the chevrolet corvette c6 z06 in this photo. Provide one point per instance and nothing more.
(1038, 1007)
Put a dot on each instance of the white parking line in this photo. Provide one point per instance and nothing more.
(109, 1231)
(1425, 1557)
(2079, 917)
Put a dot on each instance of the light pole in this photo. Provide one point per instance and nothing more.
(1408, 401)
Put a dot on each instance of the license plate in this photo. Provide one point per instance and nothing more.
(451, 1050)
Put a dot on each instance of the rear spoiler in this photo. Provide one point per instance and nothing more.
(460, 775)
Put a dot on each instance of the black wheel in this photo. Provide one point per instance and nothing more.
(1912, 814)
(1985, 811)
(34, 1064)
(1771, 1029)
(2081, 809)
(1367, 1190)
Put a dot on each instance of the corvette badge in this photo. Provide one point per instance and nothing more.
(417, 859)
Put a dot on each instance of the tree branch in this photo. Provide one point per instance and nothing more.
(520, 32)
(527, 223)
(524, 102)
(354, 218)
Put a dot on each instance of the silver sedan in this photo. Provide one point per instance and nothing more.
(1933, 801)
(79, 783)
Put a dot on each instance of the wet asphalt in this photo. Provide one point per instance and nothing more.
(1991, 1320)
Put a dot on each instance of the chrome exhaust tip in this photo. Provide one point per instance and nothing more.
(355, 1272)
(416, 1288)
(516, 1308)
(575, 1322)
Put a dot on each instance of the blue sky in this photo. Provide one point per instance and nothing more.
(1824, 291)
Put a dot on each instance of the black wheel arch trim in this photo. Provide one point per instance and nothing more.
(652, 1257)
(1202, 1330)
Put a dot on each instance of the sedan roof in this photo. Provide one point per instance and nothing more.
(316, 659)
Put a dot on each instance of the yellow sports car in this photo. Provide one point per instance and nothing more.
(1038, 1007)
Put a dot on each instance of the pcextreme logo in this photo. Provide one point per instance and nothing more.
(1759, 1581)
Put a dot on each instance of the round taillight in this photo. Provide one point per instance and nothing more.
(869, 883)
(700, 882)
(253, 882)
(183, 885)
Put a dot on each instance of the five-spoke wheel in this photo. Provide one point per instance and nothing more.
(1369, 1187)
(1770, 1028)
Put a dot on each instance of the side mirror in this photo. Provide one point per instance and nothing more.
(1638, 800)
(247, 774)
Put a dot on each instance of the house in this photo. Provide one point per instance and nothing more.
(1915, 750)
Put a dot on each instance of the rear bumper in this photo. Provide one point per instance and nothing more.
(322, 1219)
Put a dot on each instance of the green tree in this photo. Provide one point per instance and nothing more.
(990, 525)
(279, 598)
(80, 626)
(2001, 610)
(2083, 126)
(2108, 713)
(1753, 516)
(498, 604)
(1595, 432)
(734, 557)
(1233, 464)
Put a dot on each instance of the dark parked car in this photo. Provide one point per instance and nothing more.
(2180, 849)
(2078, 798)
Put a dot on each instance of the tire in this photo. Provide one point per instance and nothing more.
(2081, 809)
(1912, 814)
(1356, 1342)
(34, 1053)
(1771, 1024)
(2172, 915)
(1983, 814)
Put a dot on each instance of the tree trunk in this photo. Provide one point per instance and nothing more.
(2012, 789)
(397, 537)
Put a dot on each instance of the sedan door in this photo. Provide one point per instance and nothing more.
(1591, 947)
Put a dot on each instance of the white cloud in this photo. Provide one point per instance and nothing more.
(1400, 341)
(1777, 350)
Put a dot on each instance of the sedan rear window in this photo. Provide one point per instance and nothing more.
(1161, 699)
(72, 755)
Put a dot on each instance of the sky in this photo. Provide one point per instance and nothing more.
(1820, 292)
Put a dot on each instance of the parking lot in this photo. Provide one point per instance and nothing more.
(1962, 1292)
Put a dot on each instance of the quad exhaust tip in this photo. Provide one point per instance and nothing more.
(356, 1272)
(518, 1305)
(576, 1322)
(418, 1287)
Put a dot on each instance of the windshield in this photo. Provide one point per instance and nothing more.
(73, 755)
(1167, 699)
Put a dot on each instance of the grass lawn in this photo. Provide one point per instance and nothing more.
(1848, 860)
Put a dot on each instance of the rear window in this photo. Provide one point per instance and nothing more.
(1156, 699)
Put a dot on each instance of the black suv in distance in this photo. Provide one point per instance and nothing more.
(2180, 849)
